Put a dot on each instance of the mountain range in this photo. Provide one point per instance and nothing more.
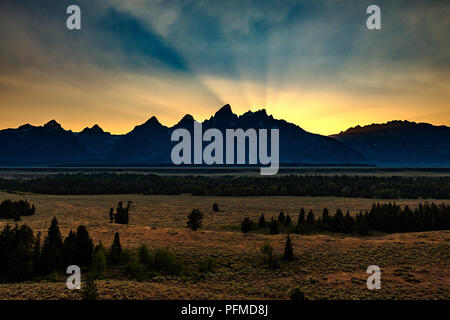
(396, 143)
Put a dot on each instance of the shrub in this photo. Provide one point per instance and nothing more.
(297, 294)
(99, 262)
(166, 261)
(267, 250)
(144, 255)
(133, 268)
(273, 227)
(89, 290)
(206, 265)
(246, 225)
(215, 207)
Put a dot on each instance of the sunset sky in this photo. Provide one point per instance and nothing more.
(313, 63)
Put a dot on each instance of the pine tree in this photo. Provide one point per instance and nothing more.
(281, 217)
(325, 219)
(195, 220)
(215, 207)
(310, 219)
(288, 252)
(288, 221)
(115, 253)
(273, 226)
(262, 222)
(361, 226)
(84, 247)
(70, 251)
(37, 253)
(111, 215)
(337, 221)
(348, 223)
(301, 217)
(52, 250)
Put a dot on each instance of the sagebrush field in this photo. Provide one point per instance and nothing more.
(327, 265)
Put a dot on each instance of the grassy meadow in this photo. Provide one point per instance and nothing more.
(327, 266)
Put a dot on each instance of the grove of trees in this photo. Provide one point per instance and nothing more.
(386, 217)
(121, 215)
(10, 209)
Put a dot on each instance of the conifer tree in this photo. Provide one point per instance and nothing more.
(70, 250)
(84, 247)
(361, 226)
(52, 250)
(281, 217)
(115, 253)
(195, 220)
(262, 222)
(301, 217)
(37, 253)
(325, 219)
(288, 252)
(310, 219)
(348, 223)
(288, 221)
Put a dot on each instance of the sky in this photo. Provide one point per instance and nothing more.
(313, 63)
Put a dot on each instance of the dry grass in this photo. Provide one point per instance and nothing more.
(414, 265)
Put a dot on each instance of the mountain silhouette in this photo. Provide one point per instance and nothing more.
(97, 142)
(394, 143)
(400, 143)
(34, 144)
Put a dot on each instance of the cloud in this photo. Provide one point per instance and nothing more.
(204, 53)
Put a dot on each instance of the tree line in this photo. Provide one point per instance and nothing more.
(376, 187)
(387, 217)
(10, 209)
(24, 257)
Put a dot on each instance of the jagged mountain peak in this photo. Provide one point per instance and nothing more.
(225, 110)
(94, 130)
(153, 121)
(186, 120)
(52, 125)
